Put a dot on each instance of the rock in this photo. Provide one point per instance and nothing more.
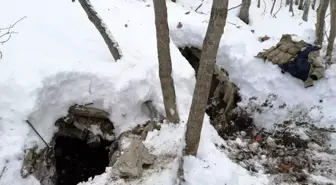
(28, 163)
(80, 110)
(254, 146)
(130, 162)
(270, 142)
(45, 170)
(314, 146)
(143, 130)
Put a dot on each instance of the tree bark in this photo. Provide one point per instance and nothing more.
(301, 4)
(321, 12)
(306, 10)
(210, 46)
(332, 34)
(165, 66)
(244, 11)
(313, 4)
(291, 7)
(258, 5)
(102, 28)
(296, 2)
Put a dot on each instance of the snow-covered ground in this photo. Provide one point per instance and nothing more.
(58, 58)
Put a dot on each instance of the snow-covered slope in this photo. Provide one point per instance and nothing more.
(58, 59)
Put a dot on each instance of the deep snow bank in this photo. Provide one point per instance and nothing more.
(254, 77)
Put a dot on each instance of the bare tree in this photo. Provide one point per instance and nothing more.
(332, 34)
(301, 4)
(291, 7)
(274, 1)
(165, 66)
(274, 15)
(320, 24)
(313, 4)
(212, 38)
(306, 10)
(258, 5)
(102, 28)
(296, 2)
(244, 11)
(6, 33)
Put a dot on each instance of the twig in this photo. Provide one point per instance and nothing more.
(325, 32)
(234, 7)
(3, 171)
(274, 15)
(273, 7)
(199, 6)
(9, 32)
(11, 26)
(264, 8)
(234, 25)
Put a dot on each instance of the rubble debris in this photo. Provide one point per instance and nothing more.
(81, 110)
(144, 129)
(90, 130)
(134, 157)
(28, 163)
(283, 154)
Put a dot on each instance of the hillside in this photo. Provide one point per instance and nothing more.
(58, 59)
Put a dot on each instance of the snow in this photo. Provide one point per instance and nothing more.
(257, 78)
(58, 58)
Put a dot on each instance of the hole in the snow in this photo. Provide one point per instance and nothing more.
(76, 161)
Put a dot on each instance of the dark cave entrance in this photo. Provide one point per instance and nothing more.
(76, 161)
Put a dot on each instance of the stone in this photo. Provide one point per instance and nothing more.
(80, 110)
(270, 142)
(133, 158)
(28, 163)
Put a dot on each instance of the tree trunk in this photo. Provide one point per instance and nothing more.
(258, 5)
(296, 2)
(321, 12)
(102, 28)
(306, 10)
(210, 46)
(291, 7)
(287, 2)
(313, 4)
(244, 11)
(332, 34)
(301, 4)
(165, 66)
(274, 1)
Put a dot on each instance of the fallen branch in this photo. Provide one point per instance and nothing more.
(3, 171)
(199, 6)
(234, 7)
